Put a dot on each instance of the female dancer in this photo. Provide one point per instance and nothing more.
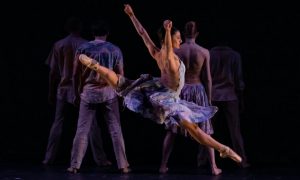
(158, 98)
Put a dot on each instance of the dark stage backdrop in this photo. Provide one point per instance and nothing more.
(264, 33)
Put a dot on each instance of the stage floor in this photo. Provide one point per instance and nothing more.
(40, 172)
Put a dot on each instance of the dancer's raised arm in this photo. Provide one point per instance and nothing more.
(153, 50)
(168, 45)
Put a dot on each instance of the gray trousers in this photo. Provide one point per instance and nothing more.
(232, 116)
(56, 132)
(109, 111)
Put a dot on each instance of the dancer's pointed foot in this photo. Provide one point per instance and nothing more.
(72, 170)
(87, 61)
(216, 171)
(228, 152)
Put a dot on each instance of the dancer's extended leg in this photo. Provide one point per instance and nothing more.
(207, 140)
(110, 76)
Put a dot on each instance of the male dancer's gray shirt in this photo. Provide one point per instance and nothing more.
(95, 89)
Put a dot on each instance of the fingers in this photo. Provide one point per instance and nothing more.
(168, 24)
(128, 10)
(126, 6)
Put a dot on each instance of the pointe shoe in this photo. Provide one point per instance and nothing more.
(228, 152)
(72, 170)
(87, 61)
(163, 170)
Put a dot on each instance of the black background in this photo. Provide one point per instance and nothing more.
(265, 34)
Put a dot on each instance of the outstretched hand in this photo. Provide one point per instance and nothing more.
(128, 10)
(168, 24)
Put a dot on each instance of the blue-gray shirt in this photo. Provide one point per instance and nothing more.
(94, 88)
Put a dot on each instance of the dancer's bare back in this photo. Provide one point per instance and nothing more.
(194, 58)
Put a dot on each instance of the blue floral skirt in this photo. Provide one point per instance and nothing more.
(150, 98)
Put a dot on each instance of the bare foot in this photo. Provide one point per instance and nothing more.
(72, 170)
(163, 169)
(46, 163)
(216, 171)
(228, 152)
(125, 170)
